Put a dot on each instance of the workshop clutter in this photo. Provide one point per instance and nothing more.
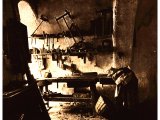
(75, 42)
(78, 55)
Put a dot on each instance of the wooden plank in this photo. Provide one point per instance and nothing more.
(68, 99)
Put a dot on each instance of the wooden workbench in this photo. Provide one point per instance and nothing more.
(76, 82)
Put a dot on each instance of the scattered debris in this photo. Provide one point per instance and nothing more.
(79, 111)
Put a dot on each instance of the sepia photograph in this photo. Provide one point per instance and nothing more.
(79, 60)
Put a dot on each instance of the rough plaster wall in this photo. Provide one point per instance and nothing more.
(140, 53)
(145, 48)
(82, 11)
(124, 12)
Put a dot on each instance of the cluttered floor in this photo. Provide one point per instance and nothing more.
(72, 111)
(83, 111)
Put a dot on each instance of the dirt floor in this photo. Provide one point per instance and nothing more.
(72, 111)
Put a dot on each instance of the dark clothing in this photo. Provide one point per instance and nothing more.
(126, 93)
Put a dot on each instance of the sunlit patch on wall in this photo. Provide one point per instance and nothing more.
(27, 16)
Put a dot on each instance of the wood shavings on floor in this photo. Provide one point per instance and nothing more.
(72, 111)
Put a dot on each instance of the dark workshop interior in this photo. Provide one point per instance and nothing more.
(79, 60)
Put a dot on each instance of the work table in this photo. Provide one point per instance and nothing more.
(75, 82)
(94, 79)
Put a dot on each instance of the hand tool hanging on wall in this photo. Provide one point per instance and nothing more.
(52, 44)
(35, 40)
(63, 17)
(44, 36)
(79, 48)
(59, 55)
(31, 41)
(47, 40)
(43, 49)
(49, 44)
(44, 61)
(43, 18)
(74, 26)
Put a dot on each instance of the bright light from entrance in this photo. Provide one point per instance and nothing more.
(27, 16)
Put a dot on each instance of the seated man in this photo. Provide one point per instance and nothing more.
(126, 92)
(125, 97)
